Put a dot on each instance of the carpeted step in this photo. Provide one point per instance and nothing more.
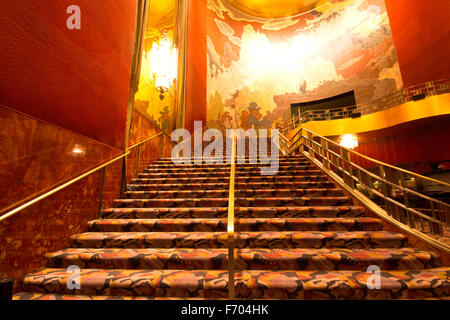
(243, 193)
(240, 212)
(246, 259)
(150, 283)
(66, 297)
(395, 284)
(238, 179)
(239, 168)
(238, 186)
(163, 165)
(224, 159)
(317, 284)
(247, 224)
(193, 174)
(239, 202)
(292, 239)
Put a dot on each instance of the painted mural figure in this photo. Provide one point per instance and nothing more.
(255, 116)
(164, 119)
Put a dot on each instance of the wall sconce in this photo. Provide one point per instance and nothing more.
(349, 141)
(77, 150)
(162, 90)
(163, 61)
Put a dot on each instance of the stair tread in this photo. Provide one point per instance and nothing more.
(263, 184)
(48, 297)
(239, 201)
(218, 165)
(292, 208)
(237, 221)
(241, 234)
(227, 167)
(218, 279)
(239, 193)
(238, 178)
(242, 224)
(214, 212)
(240, 190)
(284, 259)
(243, 198)
(238, 171)
(274, 239)
(246, 259)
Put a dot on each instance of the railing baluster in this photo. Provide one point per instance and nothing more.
(393, 190)
(138, 160)
(102, 192)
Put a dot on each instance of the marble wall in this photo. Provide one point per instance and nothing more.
(141, 129)
(38, 156)
(26, 237)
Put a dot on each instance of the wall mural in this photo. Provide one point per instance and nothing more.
(263, 65)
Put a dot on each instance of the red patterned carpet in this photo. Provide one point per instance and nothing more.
(298, 237)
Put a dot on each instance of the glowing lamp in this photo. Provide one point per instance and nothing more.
(163, 64)
(349, 141)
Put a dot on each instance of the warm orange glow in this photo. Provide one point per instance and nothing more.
(274, 8)
(162, 62)
(410, 111)
(349, 141)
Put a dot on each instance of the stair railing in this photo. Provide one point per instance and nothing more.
(8, 212)
(387, 186)
(231, 222)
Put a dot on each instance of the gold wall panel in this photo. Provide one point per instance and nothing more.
(410, 111)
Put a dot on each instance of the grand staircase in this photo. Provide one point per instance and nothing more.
(298, 236)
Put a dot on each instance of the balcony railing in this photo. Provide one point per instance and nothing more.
(419, 91)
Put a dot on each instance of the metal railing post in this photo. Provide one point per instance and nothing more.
(230, 224)
(138, 160)
(102, 192)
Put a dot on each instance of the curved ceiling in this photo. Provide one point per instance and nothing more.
(275, 8)
(161, 13)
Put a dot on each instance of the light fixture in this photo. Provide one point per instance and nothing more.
(163, 62)
(163, 90)
(349, 141)
(78, 150)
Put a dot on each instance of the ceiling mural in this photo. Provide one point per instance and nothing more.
(275, 8)
(262, 65)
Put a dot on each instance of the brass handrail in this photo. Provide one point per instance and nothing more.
(148, 139)
(290, 143)
(230, 226)
(230, 223)
(391, 178)
(74, 180)
(379, 162)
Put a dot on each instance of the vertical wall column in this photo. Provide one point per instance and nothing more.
(421, 35)
(196, 62)
(181, 40)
